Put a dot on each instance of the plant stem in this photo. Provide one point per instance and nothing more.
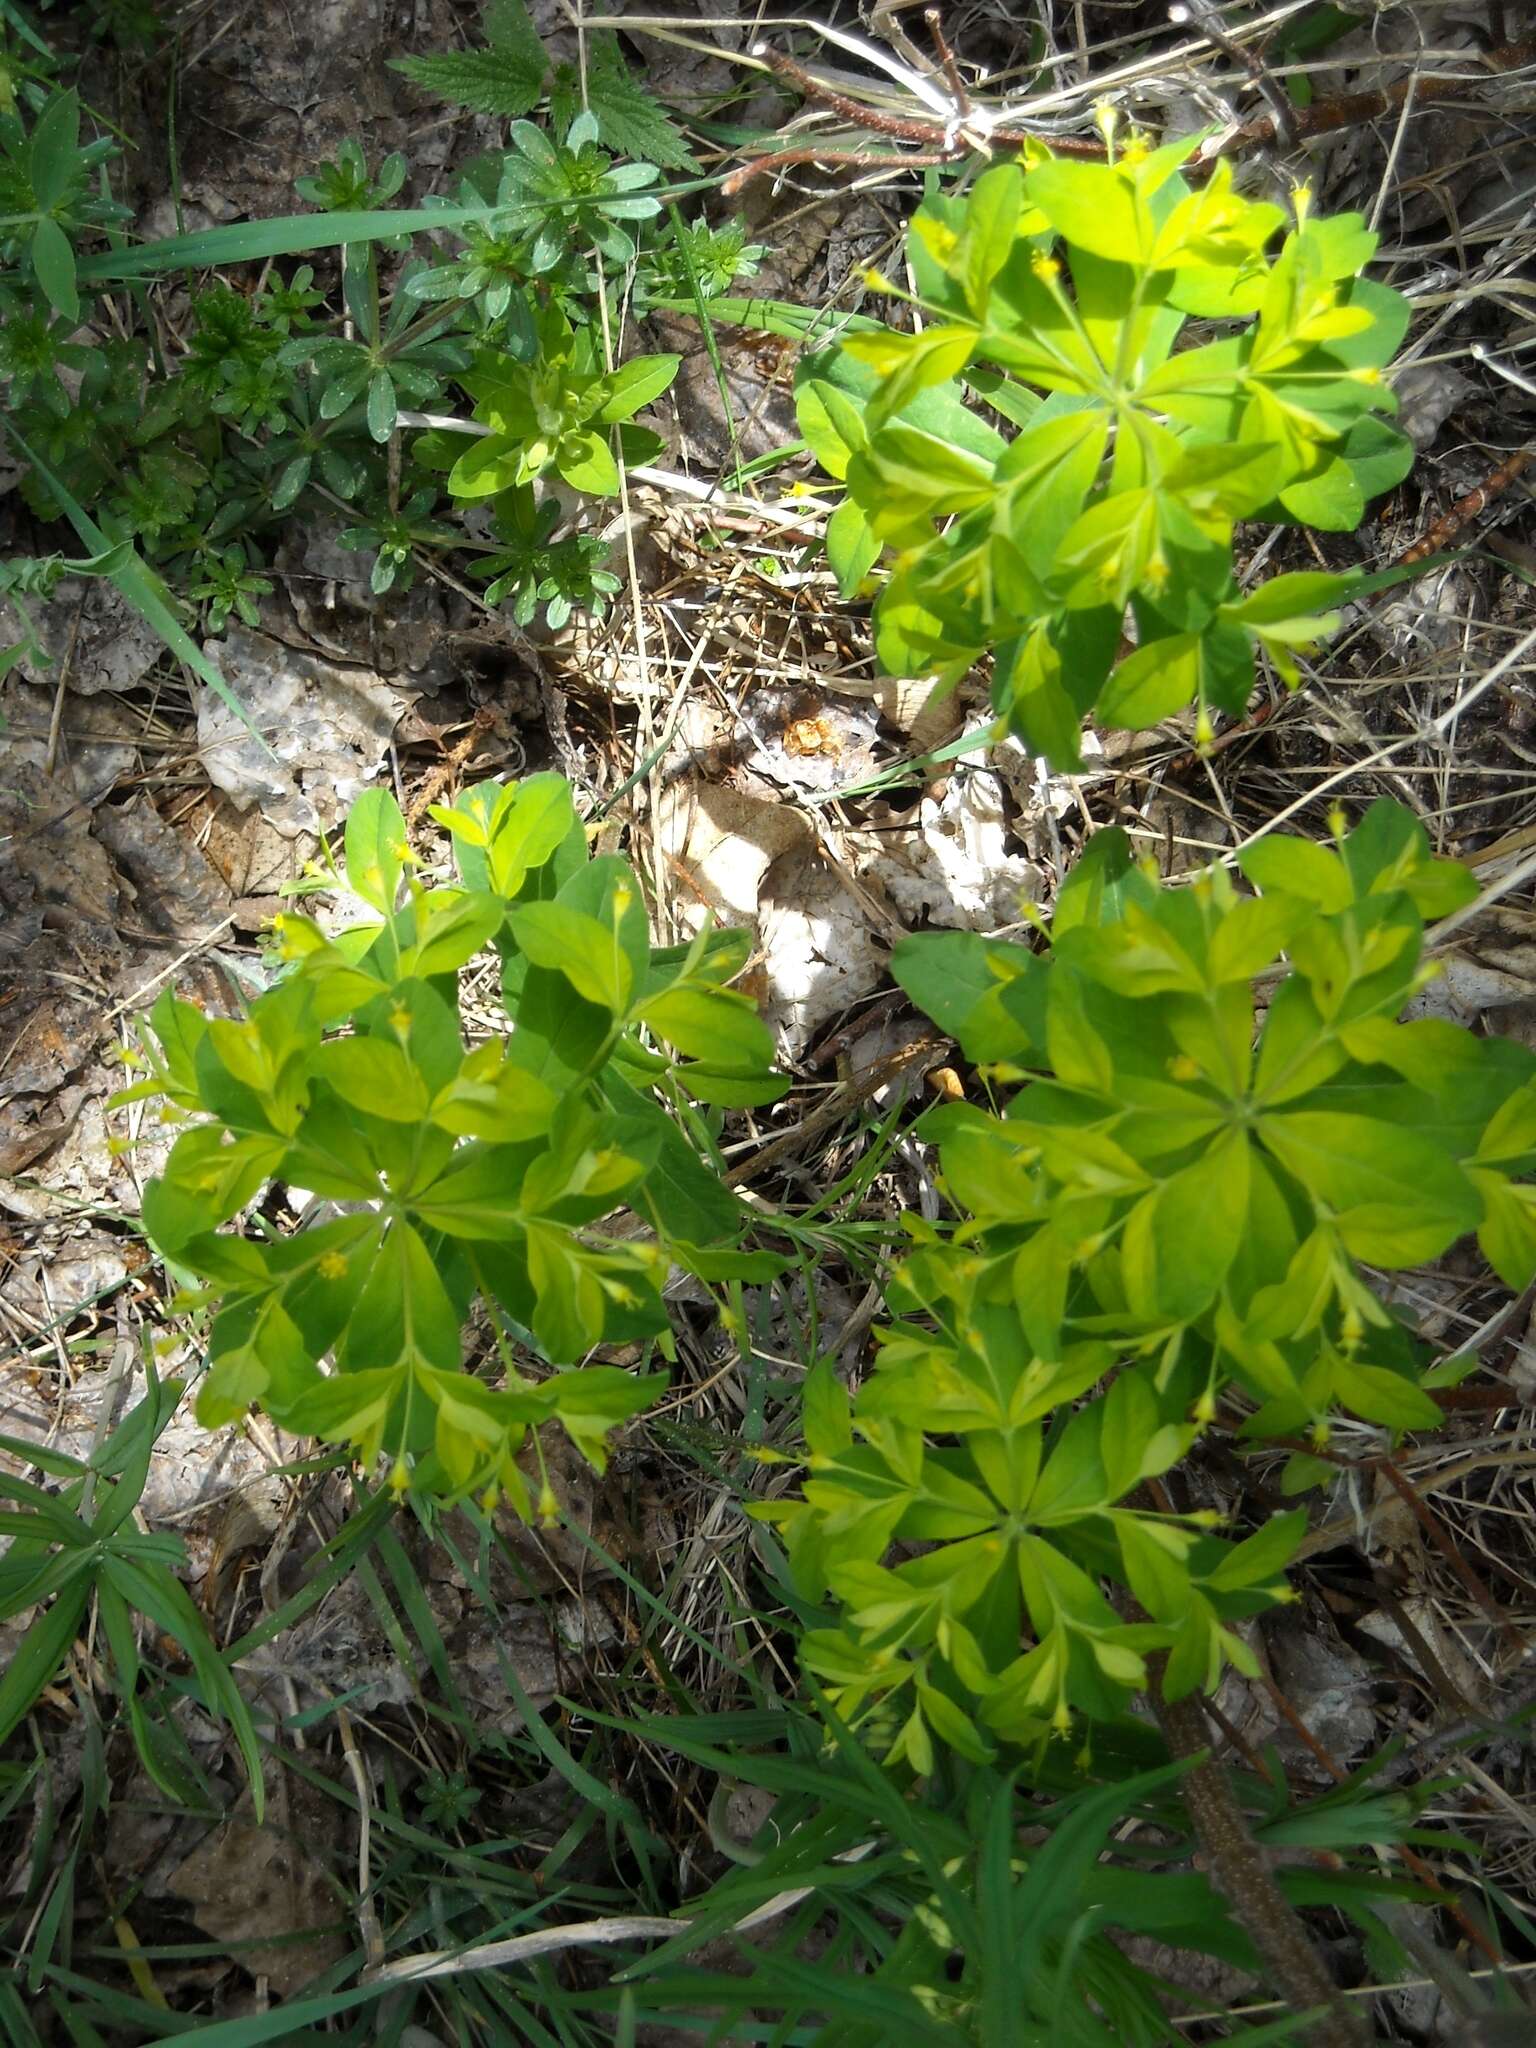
(1238, 1870)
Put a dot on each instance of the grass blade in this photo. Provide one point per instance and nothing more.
(140, 585)
(40, 1653)
(294, 234)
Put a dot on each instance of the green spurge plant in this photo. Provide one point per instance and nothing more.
(1166, 1221)
(1057, 293)
(459, 1172)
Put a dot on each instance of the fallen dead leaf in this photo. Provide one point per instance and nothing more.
(927, 712)
(327, 731)
(954, 865)
(177, 890)
(63, 1272)
(820, 953)
(266, 1888)
(91, 628)
(1488, 976)
(718, 844)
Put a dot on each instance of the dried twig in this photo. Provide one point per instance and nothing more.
(1203, 15)
(1454, 522)
(941, 142)
(1351, 109)
(966, 131)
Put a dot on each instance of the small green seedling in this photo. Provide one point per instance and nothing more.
(552, 414)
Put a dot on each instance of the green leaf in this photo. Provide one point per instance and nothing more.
(404, 1311)
(53, 262)
(1507, 1233)
(1510, 1134)
(586, 462)
(631, 121)
(906, 473)
(1384, 1396)
(376, 847)
(39, 1656)
(1154, 682)
(592, 1403)
(1300, 868)
(1284, 599)
(53, 150)
(1396, 1198)
(991, 225)
(505, 80)
(712, 1025)
(487, 467)
(908, 364)
(589, 954)
(636, 384)
(1261, 1558)
(853, 547)
(831, 423)
(987, 994)
(256, 1353)
(382, 405)
(374, 1074)
(568, 1312)
(1331, 499)
(1373, 457)
(1094, 206)
(913, 638)
(349, 1407)
(682, 1193)
(161, 1596)
(450, 928)
(526, 823)
(1180, 1240)
(494, 1098)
